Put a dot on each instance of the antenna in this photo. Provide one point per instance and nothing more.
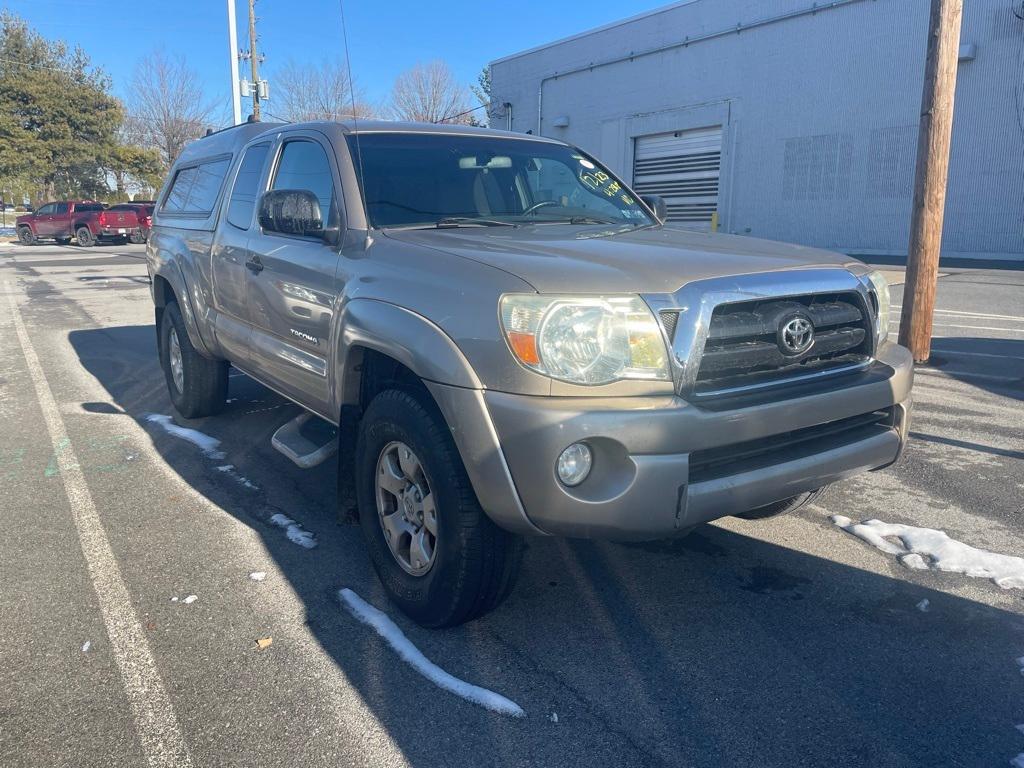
(355, 120)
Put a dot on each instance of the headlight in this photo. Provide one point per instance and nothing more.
(881, 291)
(585, 340)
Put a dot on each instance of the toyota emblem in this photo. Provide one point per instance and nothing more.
(796, 335)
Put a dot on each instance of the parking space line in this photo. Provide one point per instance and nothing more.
(982, 315)
(155, 720)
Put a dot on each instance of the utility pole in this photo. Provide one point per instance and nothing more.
(236, 98)
(932, 173)
(254, 59)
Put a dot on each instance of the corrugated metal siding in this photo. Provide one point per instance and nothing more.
(819, 115)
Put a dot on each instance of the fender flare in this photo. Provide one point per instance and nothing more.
(168, 269)
(410, 338)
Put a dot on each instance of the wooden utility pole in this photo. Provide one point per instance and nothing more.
(930, 179)
(254, 59)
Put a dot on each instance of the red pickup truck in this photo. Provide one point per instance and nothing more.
(86, 220)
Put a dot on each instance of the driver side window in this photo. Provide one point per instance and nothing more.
(304, 166)
(46, 210)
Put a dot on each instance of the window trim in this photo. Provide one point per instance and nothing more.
(195, 214)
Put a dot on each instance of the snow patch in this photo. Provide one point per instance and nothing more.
(412, 656)
(190, 599)
(1020, 664)
(1018, 761)
(86, 646)
(927, 548)
(258, 575)
(208, 445)
(229, 469)
(554, 717)
(923, 606)
(1020, 727)
(295, 532)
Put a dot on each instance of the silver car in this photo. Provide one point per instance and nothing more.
(511, 343)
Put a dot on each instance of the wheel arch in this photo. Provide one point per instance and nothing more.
(167, 285)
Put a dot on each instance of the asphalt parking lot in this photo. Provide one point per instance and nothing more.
(782, 642)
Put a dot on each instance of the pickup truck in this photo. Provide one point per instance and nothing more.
(510, 343)
(87, 221)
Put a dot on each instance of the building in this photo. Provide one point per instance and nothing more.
(788, 119)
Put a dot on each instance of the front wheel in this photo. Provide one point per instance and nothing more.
(197, 385)
(26, 236)
(438, 555)
(85, 237)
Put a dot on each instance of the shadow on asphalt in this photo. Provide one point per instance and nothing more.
(714, 650)
(997, 363)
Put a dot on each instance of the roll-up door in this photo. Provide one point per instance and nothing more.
(682, 167)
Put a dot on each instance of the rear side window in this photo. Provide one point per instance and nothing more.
(194, 189)
(61, 208)
(87, 207)
(304, 165)
(243, 196)
(119, 208)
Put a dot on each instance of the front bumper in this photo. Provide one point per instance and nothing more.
(641, 486)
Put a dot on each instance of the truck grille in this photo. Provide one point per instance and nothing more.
(760, 343)
(726, 460)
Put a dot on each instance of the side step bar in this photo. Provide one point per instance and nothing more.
(306, 447)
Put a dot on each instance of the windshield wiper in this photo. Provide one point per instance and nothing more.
(472, 221)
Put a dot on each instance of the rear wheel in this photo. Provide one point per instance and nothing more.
(137, 238)
(782, 507)
(26, 236)
(197, 385)
(85, 237)
(438, 555)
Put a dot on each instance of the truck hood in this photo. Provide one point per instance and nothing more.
(574, 259)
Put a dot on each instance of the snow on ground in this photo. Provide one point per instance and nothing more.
(295, 532)
(412, 655)
(88, 644)
(1018, 761)
(229, 469)
(258, 575)
(927, 548)
(208, 445)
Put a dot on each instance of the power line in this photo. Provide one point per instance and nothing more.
(460, 114)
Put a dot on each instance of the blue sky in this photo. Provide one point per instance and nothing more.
(385, 36)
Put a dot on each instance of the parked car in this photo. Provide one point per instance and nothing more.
(144, 215)
(87, 221)
(512, 343)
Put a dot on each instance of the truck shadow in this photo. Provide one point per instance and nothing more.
(715, 650)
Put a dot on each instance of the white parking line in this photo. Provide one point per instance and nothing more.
(983, 315)
(155, 720)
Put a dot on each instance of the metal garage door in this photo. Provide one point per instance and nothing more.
(683, 168)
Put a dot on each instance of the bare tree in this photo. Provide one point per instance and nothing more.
(307, 92)
(167, 107)
(429, 93)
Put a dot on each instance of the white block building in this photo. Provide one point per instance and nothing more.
(788, 119)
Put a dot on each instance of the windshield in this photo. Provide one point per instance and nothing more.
(414, 179)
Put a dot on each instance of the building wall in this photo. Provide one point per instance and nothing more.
(819, 113)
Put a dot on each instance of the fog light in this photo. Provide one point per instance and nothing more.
(574, 464)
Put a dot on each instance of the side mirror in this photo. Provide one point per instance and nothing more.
(295, 212)
(657, 204)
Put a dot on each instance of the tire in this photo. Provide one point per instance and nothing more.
(136, 238)
(203, 385)
(26, 236)
(85, 237)
(782, 507)
(474, 563)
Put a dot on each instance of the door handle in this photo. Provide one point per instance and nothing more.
(254, 265)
